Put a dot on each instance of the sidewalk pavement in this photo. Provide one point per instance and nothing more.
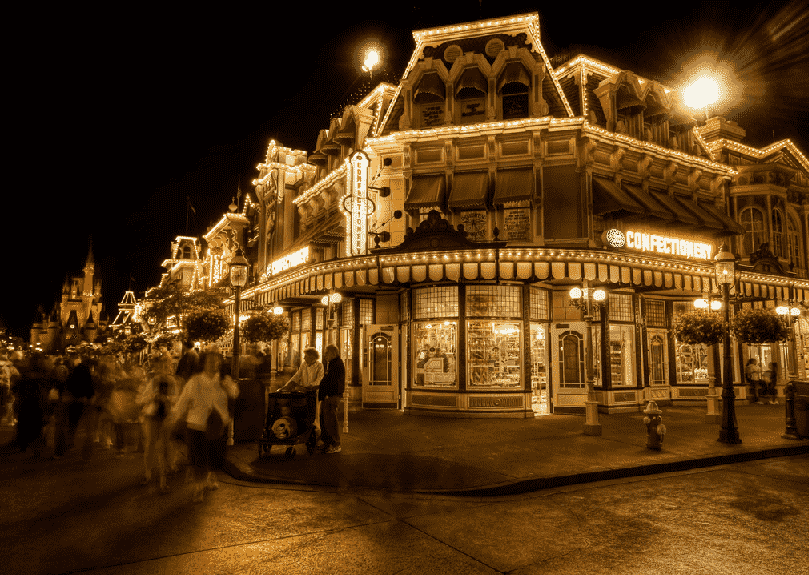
(390, 450)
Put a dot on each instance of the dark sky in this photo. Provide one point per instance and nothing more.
(119, 115)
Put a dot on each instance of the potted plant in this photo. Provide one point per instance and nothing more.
(756, 326)
(264, 327)
(699, 327)
(206, 326)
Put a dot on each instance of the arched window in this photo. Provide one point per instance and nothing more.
(753, 221)
(778, 243)
(513, 87)
(429, 98)
(793, 242)
(571, 358)
(470, 97)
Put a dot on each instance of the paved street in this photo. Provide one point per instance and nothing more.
(69, 516)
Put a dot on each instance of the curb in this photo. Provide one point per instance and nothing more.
(541, 483)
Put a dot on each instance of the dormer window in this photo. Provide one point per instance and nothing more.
(470, 97)
(512, 89)
(429, 99)
(187, 253)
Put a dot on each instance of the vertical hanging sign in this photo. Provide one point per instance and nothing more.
(356, 204)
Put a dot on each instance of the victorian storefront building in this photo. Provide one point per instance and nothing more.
(453, 214)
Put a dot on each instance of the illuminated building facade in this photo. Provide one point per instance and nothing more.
(486, 185)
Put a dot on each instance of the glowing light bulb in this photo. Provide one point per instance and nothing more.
(703, 92)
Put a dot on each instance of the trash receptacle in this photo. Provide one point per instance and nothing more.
(248, 421)
(801, 408)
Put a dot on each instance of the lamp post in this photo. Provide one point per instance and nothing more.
(581, 297)
(238, 278)
(725, 263)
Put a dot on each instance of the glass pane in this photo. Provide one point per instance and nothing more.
(539, 372)
(656, 361)
(306, 320)
(366, 311)
(539, 303)
(493, 301)
(437, 301)
(494, 354)
(435, 355)
(655, 313)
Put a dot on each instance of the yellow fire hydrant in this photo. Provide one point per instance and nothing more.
(655, 430)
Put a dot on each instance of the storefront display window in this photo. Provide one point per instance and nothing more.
(620, 351)
(692, 363)
(539, 372)
(493, 354)
(306, 320)
(435, 353)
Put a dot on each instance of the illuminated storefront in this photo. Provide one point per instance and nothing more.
(454, 212)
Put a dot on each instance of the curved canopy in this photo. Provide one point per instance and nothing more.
(514, 73)
(430, 89)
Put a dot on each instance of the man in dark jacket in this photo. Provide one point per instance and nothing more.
(187, 366)
(80, 390)
(330, 394)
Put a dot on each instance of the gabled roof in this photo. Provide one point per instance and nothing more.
(786, 148)
(527, 24)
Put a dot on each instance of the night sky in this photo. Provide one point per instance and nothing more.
(119, 114)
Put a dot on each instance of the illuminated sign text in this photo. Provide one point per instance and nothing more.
(667, 245)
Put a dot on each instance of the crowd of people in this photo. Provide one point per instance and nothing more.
(180, 409)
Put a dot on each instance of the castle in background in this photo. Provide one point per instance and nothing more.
(77, 318)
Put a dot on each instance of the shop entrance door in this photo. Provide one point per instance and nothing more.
(380, 382)
(569, 377)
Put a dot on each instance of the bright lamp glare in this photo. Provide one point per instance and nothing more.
(700, 303)
(716, 305)
(371, 59)
(703, 92)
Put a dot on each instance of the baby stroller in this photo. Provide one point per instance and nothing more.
(290, 421)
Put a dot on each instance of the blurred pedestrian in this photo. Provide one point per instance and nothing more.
(79, 396)
(752, 372)
(31, 392)
(7, 373)
(330, 394)
(187, 366)
(203, 404)
(771, 380)
(156, 398)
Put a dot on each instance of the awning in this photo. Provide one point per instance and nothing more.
(513, 186)
(732, 227)
(514, 73)
(654, 209)
(608, 198)
(677, 209)
(432, 86)
(709, 222)
(472, 78)
(469, 190)
(425, 192)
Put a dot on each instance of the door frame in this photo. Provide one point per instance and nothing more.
(373, 396)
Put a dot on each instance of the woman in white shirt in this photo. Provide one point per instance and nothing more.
(204, 393)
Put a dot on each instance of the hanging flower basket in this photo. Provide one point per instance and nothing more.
(759, 326)
(699, 327)
(206, 326)
(264, 327)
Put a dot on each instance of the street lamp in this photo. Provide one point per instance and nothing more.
(712, 415)
(238, 278)
(371, 60)
(581, 298)
(725, 263)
